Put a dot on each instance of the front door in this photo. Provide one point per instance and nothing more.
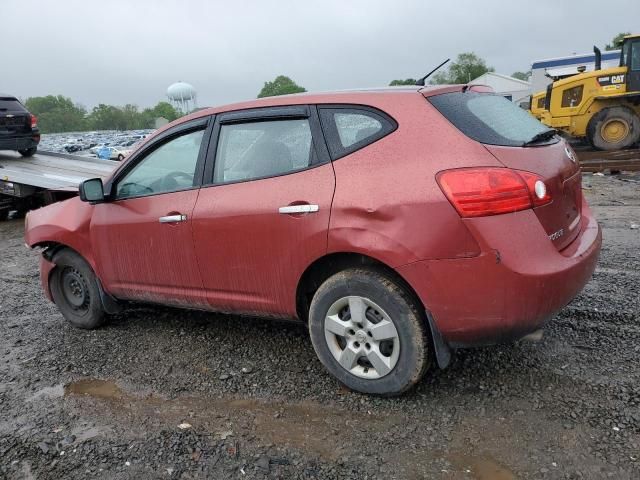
(143, 236)
(265, 217)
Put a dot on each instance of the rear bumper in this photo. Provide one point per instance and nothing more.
(513, 287)
(19, 142)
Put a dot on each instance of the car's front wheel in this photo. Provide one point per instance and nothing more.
(75, 290)
(369, 332)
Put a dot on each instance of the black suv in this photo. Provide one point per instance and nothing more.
(18, 128)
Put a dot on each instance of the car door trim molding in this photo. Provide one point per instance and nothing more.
(264, 113)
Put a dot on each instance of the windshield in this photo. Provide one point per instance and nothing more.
(488, 118)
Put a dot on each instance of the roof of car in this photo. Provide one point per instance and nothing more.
(334, 96)
(6, 95)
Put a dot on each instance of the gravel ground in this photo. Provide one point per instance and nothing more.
(163, 393)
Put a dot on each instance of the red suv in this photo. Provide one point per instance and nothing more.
(399, 224)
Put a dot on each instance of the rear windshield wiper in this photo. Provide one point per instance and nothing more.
(540, 137)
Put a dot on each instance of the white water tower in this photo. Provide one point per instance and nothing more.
(182, 96)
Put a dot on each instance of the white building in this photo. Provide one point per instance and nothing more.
(517, 91)
(543, 72)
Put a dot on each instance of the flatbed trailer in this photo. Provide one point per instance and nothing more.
(47, 177)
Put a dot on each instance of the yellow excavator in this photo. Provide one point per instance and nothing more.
(602, 106)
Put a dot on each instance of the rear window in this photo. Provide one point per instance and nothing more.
(11, 105)
(487, 118)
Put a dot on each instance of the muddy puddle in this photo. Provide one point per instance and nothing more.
(308, 426)
(104, 389)
(482, 467)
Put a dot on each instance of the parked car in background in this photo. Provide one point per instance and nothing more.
(113, 152)
(398, 224)
(18, 128)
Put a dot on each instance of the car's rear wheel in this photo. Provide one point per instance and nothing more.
(29, 152)
(75, 290)
(614, 128)
(120, 157)
(369, 332)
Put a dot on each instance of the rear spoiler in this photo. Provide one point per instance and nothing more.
(440, 89)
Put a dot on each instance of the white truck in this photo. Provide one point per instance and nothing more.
(27, 183)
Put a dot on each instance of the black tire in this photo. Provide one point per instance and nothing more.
(622, 117)
(29, 152)
(373, 286)
(120, 157)
(75, 290)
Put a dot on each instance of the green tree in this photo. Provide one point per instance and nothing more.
(522, 75)
(466, 67)
(57, 113)
(408, 81)
(616, 43)
(104, 117)
(282, 85)
(166, 110)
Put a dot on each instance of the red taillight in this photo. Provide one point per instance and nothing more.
(34, 121)
(478, 192)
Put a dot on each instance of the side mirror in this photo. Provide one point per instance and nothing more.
(91, 190)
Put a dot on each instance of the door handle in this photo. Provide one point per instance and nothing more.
(173, 218)
(306, 208)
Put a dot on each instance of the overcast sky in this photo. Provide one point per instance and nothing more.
(121, 52)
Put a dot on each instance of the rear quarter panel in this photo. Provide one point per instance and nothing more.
(388, 204)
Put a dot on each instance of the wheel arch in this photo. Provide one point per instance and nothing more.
(50, 249)
(326, 266)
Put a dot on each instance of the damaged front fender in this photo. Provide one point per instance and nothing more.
(64, 223)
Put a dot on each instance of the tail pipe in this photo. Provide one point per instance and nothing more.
(596, 50)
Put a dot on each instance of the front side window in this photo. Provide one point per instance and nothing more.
(168, 168)
(260, 149)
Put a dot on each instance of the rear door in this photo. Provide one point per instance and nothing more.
(264, 215)
(143, 236)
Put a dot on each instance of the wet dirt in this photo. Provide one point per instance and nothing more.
(161, 393)
(104, 389)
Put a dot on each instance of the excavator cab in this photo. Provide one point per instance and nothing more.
(630, 58)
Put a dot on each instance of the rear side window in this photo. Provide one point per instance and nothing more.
(253, 150)
(487, 118)
(349, 128)
(11, 105)
(355, 127)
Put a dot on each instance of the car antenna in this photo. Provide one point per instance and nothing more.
(422, 80)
